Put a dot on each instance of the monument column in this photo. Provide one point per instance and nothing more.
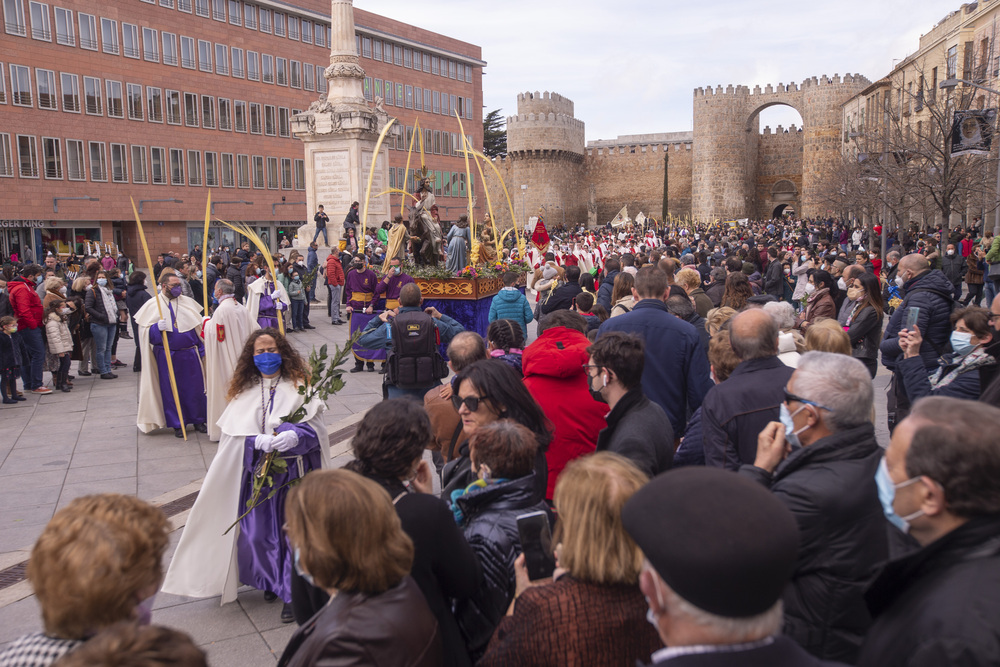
(339, 132)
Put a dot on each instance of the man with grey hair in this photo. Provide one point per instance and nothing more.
(735, 411)
(820, 460)
(717, 286)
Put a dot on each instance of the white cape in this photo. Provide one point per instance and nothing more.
(188, 314)
(277, 291)
(205, 562)
(221, 355)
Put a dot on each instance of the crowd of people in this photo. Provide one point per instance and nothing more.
(692, 416)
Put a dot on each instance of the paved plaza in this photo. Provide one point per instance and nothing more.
(58, 447)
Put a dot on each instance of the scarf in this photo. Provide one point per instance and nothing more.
(458, 493)
(109, 303)
(972, 361)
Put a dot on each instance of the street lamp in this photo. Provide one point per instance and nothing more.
(949, 84)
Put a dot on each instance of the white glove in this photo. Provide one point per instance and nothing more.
(285, 441)
(162, 325)
(281, 305)
(264, 442)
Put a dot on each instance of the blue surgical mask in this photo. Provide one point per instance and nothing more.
(102, 281)
(791, 435)
(267, 363)
(198, 273)
(302, 573)
(961, 342)
(887, 494)
(38, 280)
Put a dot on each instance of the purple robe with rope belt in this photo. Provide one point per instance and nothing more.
(186, 353)
(267, 308)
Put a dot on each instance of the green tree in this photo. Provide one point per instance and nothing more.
(494, 134)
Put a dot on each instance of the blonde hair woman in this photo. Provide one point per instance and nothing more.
(593, 613)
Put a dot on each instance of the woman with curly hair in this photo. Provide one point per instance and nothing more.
(737, 292)
(210, 561)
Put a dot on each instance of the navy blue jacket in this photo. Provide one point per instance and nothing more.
(676, 374)
(932, 292)
(605, 290)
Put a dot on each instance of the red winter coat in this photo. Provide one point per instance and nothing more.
(554, 374)
(25, 302)
(334, 271)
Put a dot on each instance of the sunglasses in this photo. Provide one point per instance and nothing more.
(470, 402)
(792, 397)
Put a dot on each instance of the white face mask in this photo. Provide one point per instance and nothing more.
(810, 288)
(841, 284)
(899, 280)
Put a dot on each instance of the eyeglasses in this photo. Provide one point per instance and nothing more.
(470, 402)
(792, 397)
(586, 368)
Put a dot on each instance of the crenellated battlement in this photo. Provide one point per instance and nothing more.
(811, 83)
(791, 129)
(544, 103)
(540, 119)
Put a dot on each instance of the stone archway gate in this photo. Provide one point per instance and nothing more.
(726, 139)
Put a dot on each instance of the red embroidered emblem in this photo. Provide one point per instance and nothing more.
(220, 332)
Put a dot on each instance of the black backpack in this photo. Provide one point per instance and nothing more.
(415, 361)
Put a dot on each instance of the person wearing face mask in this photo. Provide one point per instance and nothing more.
(819, 301)
(940, 604)
(181, 323)
(359, 288)
(99, 303)
(637, 428)
(713, 577)
(953, 267)
(849, 298)
(820, 460)
(297, 294)
(28, 309)
(10, 360)
(266, 297)
(801, 265)
(210, 561)
(59, 342)
(864, 321)
(958, 373)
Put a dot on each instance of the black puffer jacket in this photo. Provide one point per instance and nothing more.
(932, 293)
(939, 605)
(490, 523)
(236, 276)
(830, 488)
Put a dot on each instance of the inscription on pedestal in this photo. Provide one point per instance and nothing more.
(332, 174)
(376, 205)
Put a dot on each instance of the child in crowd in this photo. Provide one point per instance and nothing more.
(59, 341)
(505, 341)
(10, 360)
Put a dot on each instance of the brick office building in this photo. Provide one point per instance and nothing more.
(165, 101)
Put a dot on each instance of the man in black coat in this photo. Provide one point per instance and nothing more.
(611, 269)
(736, 411)
(829, 485)
(562, 297)
(774, 283)
(940, 605)
(638, 428)
(682, 308)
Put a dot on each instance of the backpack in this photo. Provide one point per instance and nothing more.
(415, 361)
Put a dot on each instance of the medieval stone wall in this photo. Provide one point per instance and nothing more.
(779, 158)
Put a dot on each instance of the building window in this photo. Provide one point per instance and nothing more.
(234, 12)
(368, 88)
(170, 49)
(253, 66)
(176, 166)
(92, 94)
(154, 104)
(240, 115)
(418, 99)
(366, 47)
(221, 60)
(293, 27)
(407, 57)
(225, 115)
(272, 173)
(88, 31)
(286, 173)
(109, 36)
(76, 160)
(468, 73)
(184, 6)
(279, 24)
(461, 73)
(201, 8)
(267, 68)
(65, 31)
(453, 102)
(258, 171)
(211, 167)
(400, 98)
(70, 92)
(173, 107)
(130, 40)
(307, 31)
(169, 4)
(952, 61)
(237, 58)
(250, 16)
(320, 35)
(13, 18)
(208, 112)
(149, 45)
(204, 56)
(451, 69)
(265, 20)
(219, 10)
(379, 90)
(158, 165)
(295, 70)
(427, 62)
(188, 59)
(281, 67)
(437, 102)
(194, 167)
(308, 77)
(300, 174)
(397, 55)
(116, 107)
(190, 109)
(47, 95)
(320, 79)
(283, 122)
(377, 49)
(409, 97)
(133, 99)
(243, 171)
(227, 170)
(468, 107)
(255, 118)
(52, 158)
(139, 174)
(270, 120)
(119, 163)
(98, 161)
(40, 28)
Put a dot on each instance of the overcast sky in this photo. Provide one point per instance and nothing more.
(630, 66)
